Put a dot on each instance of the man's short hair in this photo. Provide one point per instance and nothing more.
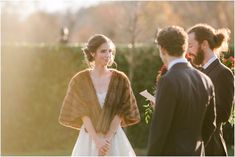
(174, 39)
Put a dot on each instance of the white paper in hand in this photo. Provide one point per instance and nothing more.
(148, 96)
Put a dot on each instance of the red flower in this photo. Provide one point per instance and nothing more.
(231, 59)
(229, 62)
(187, 56)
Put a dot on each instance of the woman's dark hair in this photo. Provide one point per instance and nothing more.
(93, 44)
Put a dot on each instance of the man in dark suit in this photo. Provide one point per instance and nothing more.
(184, 115)
(204, 41)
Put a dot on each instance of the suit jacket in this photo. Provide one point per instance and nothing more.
(223, 81)
(184, 115)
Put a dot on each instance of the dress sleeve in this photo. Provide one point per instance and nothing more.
(129, 112)
(73, 107)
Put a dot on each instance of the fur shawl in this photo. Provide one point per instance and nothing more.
(81, 100)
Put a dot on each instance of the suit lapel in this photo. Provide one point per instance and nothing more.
(211, 66)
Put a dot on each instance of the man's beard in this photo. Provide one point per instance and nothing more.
(199, 57)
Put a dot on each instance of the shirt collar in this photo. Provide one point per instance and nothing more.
(175, 61)
(212, 59)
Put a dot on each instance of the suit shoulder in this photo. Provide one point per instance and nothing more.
(225, 71)
(206, 81)
(169, 78)
(204, 76)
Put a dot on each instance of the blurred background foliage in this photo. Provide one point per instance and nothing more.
(36, 67)
(122, 21)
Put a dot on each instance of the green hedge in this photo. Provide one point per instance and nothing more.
(34, 82)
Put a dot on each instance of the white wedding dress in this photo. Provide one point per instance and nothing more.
(120, 145)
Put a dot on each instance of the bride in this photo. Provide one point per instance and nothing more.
(99, 101)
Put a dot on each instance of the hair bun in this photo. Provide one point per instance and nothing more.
(87, 54)
(219, 38)
(85, 50)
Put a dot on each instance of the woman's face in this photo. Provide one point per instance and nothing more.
(104, 54)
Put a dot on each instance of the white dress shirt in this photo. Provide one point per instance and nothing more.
(211, 60)
(175, 61)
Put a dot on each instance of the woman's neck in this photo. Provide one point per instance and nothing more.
(100, 70)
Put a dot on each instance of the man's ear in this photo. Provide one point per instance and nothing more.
(163, 50)
(205, 45)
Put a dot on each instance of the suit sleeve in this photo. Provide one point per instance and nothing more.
(209, 122)
(162, 117)
(224, 90)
